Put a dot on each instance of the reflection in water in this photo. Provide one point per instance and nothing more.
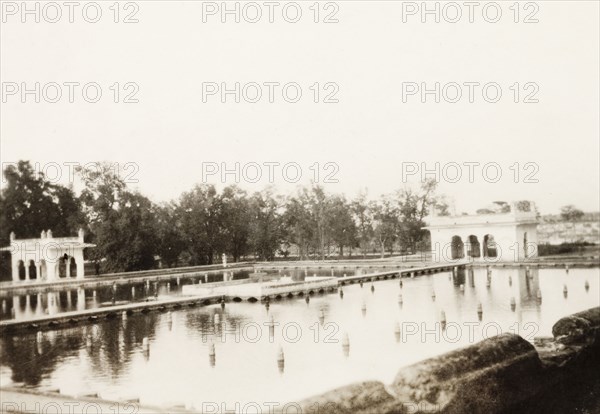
(459, 276)
(346, 345)
(212, 357)
(22, 307)
(280, 360)
(172, 357)
(397, 332)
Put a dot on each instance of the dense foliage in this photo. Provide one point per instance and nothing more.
(131, 232)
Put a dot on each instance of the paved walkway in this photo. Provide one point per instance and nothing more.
(16, 400)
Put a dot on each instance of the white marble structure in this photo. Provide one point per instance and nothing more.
(47, 258)
(509, 236)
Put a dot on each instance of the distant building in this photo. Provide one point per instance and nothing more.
(47, 258)
(505, 236)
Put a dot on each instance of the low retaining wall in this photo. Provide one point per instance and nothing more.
(34, 286)
(502, 374)
(309, 284)
(93, 315)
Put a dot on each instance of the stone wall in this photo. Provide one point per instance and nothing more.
(503, 374)
(552, 230)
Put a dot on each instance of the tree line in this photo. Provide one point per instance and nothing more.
(131, 232)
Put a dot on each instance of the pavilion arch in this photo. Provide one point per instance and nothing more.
(428, 241)
(32, 268)
(21, 267)
(66, 266)
(490, 248)
(457, 248)
(474, 248)
(61, 267)
(72, 266)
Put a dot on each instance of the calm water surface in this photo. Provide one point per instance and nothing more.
(108, 358)
(22, 307)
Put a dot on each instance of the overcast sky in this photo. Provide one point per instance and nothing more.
(369, 135)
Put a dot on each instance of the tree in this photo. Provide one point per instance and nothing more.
(266, 224)
(523, 205)
(170, 241)
(363, 221)
(200, 216)
(385, 223)
(410, 223)
(502, 207)
(414, 207)
(426, 197)
(102, 190)
(316, 221)
(122, 222)
(29, 204)
(340, 223)
(441, 206)
(318, 202)
(570, 213)
(298, 221)
(128, 241)
(235, 217)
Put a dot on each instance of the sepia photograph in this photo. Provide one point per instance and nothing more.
(300, 207)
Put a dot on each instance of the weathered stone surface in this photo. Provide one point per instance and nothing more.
(582, 326)
(486, 377)
(570, 381)
(546, 343)
(592, 315)
(362, 398)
